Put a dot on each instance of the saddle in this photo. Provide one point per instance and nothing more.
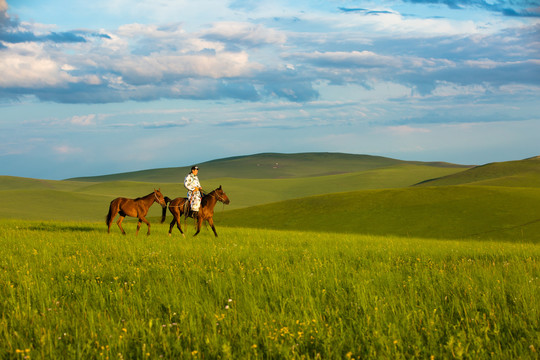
(187, 210)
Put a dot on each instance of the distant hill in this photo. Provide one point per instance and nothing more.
(444, 212)
(269, 166)
(46, 195)
(520, 173)
(317, 191)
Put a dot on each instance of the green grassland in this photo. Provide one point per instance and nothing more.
(319, 256)
(389, 197)
(521, 173)
(69, 290)
(84, 200)
(445, 212)
(271, 166)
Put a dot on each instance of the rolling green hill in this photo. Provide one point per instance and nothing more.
(13, 183)
(445, 212)
(269, 166)
(81, 200)
(317, 191)
(52, 205)
(521, 173)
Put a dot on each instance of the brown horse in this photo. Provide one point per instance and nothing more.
(135, 208)
(179, 206)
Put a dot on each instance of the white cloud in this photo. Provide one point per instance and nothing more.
(367, 59)
(389, 22)
(404, 130)
(445, 88)
(245, 33)
(166, 124)
(28, 65)
(66, 149)
(164, 11)
(3, 11)
(83, 120)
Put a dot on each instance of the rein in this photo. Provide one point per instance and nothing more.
(212, 193)
(156, 197)
(222, 200)
(218, 197)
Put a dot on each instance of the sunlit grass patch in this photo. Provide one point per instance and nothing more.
(72, 290)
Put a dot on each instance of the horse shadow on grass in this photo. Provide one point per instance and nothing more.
(61, 228)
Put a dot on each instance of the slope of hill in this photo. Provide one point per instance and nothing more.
(242, 192)
(53, 205)
(269, 166)
(521, 173)
(250, 192)
(321, 192)
(13, 183)
(446, 212)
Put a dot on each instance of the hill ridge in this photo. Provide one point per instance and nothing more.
(444, 212)
(269, 166)
(515, 173)
(370, 195)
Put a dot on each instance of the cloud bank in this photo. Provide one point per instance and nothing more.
(526, 8)
(266, 58)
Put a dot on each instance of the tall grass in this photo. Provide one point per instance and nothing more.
(70, 290)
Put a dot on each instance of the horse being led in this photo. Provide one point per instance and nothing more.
(135, 208)
(178, 207)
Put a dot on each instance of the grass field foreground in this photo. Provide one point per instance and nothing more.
(70, 290)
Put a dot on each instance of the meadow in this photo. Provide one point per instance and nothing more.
(319, 256)
(70, 290)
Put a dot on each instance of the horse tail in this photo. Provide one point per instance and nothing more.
(113, 210)
(164, 209)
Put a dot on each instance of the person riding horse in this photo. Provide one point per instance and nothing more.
(192, 184)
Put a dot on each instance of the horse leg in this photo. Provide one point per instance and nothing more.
(138, 227)
(109, 223)
(119, 223)
(172, 225)
(211, 222)
(199, 223)
(147, 224)
(178, 221)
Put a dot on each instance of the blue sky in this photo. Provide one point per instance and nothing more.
(107, 86)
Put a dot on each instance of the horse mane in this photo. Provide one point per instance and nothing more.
(205, 196)
(143, 197)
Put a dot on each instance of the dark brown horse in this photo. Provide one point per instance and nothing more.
(135, 208)
(180, 206)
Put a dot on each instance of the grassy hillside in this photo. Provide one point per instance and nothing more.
(251, 192)
(268, 166)
(522, 173)
(14, 183)
(376, 200)
(449, 212)
(78, 200)
(52, 205)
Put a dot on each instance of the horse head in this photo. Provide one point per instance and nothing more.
(159, 198)
(221, 196)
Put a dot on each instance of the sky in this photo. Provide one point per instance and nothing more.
(108, 86)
